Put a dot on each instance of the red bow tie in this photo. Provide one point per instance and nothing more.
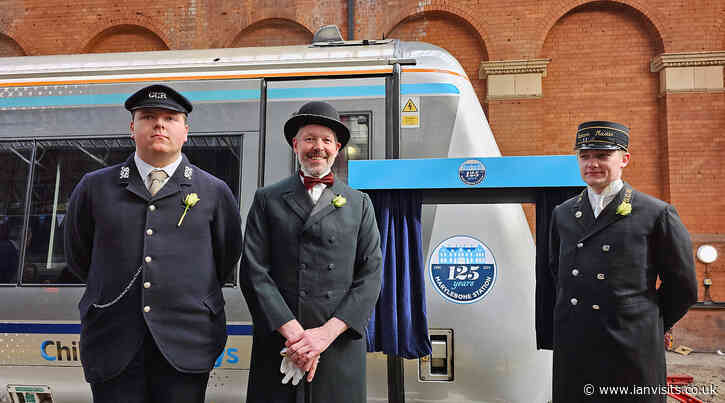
(311, 181)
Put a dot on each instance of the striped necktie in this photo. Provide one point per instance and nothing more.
(157, 178)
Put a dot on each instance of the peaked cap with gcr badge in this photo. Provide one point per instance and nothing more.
(317, 113)
(602, 135)
(158, 96)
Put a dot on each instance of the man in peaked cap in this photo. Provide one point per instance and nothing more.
(608, 247)
(315, 296)
(154, 238)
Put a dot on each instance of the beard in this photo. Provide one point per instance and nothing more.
(319, 168)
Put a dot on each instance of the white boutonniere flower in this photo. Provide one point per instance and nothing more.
(339, 201)
(190, 201)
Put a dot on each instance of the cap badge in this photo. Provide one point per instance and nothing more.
(187, 172)
(157, 95)
(124, 172)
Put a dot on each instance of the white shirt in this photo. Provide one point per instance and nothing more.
(144, 169)
(316, 190)
(601, 200)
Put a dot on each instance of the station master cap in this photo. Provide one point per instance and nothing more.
(317, 113)
(158, 96)
(602, 135)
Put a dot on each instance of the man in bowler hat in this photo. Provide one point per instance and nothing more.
(310, 272)
(608, 247)
(154, 238)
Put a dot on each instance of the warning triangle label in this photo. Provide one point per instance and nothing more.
(410, 106)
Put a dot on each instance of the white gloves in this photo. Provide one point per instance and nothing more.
(289, 369)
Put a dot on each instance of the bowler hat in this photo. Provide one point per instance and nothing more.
(158, 96)
(602, 135)
(317, 113)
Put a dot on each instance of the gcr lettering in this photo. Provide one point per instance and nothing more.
(55, 350)
(231, 354)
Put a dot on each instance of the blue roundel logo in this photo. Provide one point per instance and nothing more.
(472, 172)
(462, 269)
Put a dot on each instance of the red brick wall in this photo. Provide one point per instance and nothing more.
(8, 47)
(695, 123)
(438, 29)
(125, 38)
(604, 75)
(701, 330)
(696, 174)
(273, 32)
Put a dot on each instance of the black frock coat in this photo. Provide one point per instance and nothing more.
(107, 238)
(609, 317)
(310, 264)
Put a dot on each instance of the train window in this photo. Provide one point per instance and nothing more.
(358, 146)
(15, 161)
(60, 164)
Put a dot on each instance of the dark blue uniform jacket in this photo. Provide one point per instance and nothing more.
(113, 226)
(610, 317)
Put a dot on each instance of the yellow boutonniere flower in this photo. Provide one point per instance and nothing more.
(624, 208)
(339, 201)
(190, 201)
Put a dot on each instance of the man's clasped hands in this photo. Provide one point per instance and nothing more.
(303, 347)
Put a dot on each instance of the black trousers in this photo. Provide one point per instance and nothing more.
(149, 378)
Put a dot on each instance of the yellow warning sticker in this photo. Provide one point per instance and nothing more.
(410, 106)
(410, 114)
(410, 121)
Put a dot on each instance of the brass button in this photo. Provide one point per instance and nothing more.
(578, 214)
(147, 259)
(605, 248)
(149, 232)
(152, 207)
(580, 245)
(147, 285)
(600, 276)
(147, 309)
(595, 307)
(574, 301)
(331, 266)
(574, 272)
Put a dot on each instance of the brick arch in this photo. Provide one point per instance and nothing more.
(122, 37)
(601, 72)
(9, 47)
(272, 32)
(452, 33)
(651, 15)
(442, 7)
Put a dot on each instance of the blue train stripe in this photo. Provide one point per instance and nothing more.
(75, 328)
(428, 89)
(41, 328)
(117, 99)
(239, 330)
(327, 92)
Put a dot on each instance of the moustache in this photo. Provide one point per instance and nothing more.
(316, 154)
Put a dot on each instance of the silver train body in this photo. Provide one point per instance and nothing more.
(61, 116)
